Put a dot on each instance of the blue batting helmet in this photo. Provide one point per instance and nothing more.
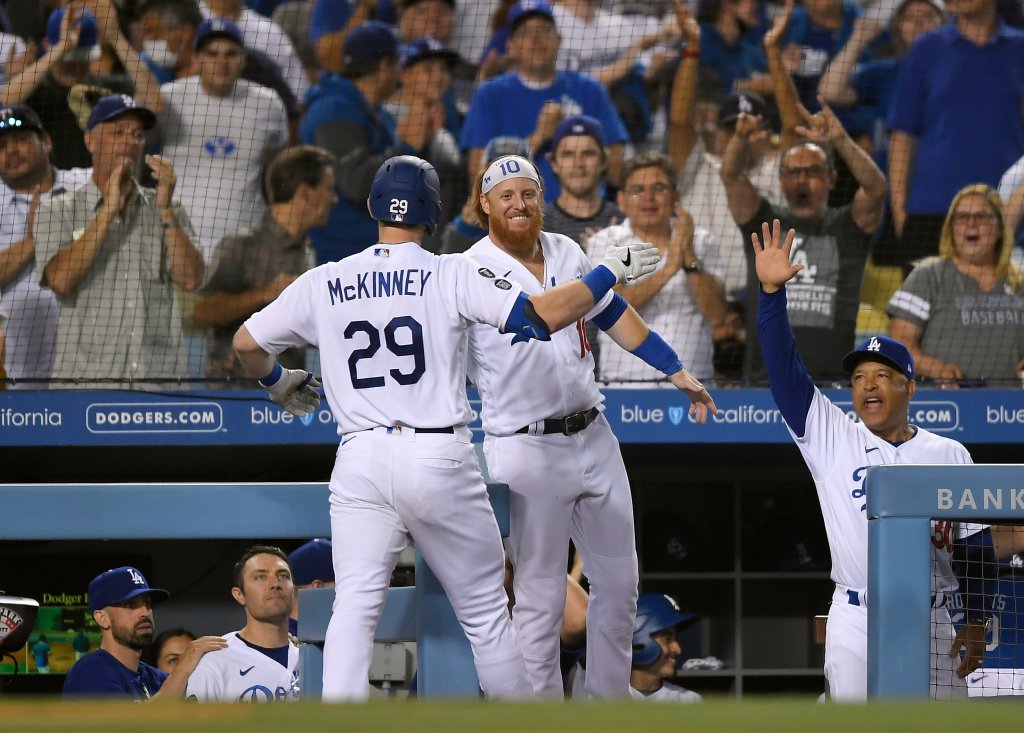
(655, 613)
(406, 190)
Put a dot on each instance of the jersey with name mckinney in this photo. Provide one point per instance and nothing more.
(392, 326)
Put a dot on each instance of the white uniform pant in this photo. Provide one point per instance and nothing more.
(846, 653)
(386, 487)
(560, 487)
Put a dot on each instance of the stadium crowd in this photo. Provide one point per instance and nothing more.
(168, 167)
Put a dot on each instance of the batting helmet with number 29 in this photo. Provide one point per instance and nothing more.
(406, 190)
(655, 613)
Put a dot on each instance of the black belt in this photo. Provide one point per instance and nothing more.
(567, 425)
(450, 430)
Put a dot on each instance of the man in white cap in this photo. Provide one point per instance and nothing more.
(548, 440)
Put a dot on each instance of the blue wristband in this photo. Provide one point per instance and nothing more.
(600, 280)
(658, 354)
(275, 374)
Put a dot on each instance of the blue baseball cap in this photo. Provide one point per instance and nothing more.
(578, 125)
(312, 561)
(526, 9)
(372, 40)
(119, 585)
(425, 48)
(88, 47)
(115, 105)
(883, 349)
(214, 28)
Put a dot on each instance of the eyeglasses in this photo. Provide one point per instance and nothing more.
(811, 171)
(981, 218)
(657, 189)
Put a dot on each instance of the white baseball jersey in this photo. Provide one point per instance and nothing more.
(507, 374)
(666, 693)
(838, 451)
(391, 323)
(240, 673)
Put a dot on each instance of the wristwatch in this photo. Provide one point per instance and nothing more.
(696, 266)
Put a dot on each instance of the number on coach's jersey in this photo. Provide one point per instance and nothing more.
(411, 346)
(399, 206)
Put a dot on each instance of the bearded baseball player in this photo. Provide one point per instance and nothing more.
(259, 662)
(837, 451)
(548, 440)
(391, 323)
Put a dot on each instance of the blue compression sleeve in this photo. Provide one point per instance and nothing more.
(610, 315)
(600, 280)
(524, 321)
(658, 354)
(791, 385)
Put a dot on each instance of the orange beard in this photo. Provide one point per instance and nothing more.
(519, 240)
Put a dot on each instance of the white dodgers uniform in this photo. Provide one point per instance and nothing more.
(838, 451)
(667, 693)
(391, 323)
(562, 485)
(241, 673)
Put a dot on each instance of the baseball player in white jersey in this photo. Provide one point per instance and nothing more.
(391, 323)
(656, 649)
(259, 662)
(838, 451)
(547, 439)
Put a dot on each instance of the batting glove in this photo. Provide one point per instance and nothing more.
(628, 262)
(295, 391)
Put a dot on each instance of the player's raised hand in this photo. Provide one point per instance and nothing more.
(295, 391)
(970, 638)
(700, 398)
(771, 260)
(628, 262)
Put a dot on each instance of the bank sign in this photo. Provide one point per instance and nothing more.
(647, 416)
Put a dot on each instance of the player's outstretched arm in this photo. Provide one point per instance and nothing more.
(791, 385)
(569, 302)
(292, 389)
(626, 328)
(176, 682)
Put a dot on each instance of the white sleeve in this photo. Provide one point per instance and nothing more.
(290, 319)
(205, 682)
(479, 298)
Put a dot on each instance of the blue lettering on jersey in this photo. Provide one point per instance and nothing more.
(259, 693)
(860, 492)
(410, 282)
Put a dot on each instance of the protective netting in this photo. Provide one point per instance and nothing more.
(989, 591)
(858, 124)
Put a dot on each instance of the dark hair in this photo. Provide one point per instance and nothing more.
(293, 167)
(239, 571)
(176, 13)
(151, 654)
(650, 159)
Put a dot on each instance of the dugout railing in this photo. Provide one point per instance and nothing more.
(901, 502)
(189, 511)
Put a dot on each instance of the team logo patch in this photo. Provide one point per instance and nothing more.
(503, 284)
(675, 414)
(485, 272)
(9, 622)
(381, 252)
